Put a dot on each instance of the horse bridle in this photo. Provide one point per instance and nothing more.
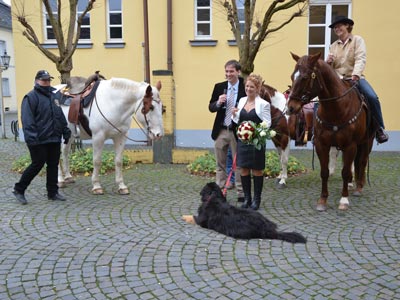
(144, 112)
(306, 98)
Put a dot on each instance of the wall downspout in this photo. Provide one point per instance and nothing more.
(169, 33)
(146, 41)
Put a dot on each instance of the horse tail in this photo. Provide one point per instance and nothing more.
(291, 237)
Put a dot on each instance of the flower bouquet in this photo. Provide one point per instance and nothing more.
(249, 132)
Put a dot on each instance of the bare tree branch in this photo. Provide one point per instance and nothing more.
(67, 40)
(255, 32)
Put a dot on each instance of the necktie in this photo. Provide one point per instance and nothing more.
(229, 107)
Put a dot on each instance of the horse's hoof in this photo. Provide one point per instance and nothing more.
(62, 184)
(281, 186)
(343, 207)
(69, 180)
(357, 193)
(321, 207)
(98, 191)
(124, 191)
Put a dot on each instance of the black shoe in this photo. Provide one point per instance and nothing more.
(381, 136)
(57, 197)
(20, 197)
(240, 199)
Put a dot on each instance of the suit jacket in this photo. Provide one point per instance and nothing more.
(219, 118)
(262, 107)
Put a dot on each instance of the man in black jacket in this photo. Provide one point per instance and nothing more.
(224, 97)
(43, 124)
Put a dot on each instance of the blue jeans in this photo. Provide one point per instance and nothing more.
(229, 162)
(373, 100)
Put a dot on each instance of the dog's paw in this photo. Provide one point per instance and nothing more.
(188, 219)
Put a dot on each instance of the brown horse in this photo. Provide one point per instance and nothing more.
(342, 121)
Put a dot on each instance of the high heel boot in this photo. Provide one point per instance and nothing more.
(246, 185)
(258, 186)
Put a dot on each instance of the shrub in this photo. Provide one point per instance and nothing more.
(206, 165)
(81, 162)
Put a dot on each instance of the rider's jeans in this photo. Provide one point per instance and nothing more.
(373, 100)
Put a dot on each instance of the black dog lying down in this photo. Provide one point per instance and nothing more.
(217, 214)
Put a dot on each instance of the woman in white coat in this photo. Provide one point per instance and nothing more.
(249, 159)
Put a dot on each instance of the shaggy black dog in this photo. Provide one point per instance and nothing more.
(217, 214)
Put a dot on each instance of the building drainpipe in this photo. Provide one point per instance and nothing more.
(169, 33)
(146, 42)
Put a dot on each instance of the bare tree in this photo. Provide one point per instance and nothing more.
(66, 34)
(256, 31)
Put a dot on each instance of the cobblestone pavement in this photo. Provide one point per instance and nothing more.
(137, 246)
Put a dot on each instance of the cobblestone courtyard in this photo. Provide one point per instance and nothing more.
(137, 246)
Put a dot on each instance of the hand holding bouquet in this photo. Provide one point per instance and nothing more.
(256, 134)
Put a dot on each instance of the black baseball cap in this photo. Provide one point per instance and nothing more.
(43, 75)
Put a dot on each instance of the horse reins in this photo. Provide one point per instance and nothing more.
(117, 129)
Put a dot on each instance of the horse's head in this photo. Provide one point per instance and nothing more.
(305, 84)
(149, 111)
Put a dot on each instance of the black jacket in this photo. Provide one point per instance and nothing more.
(219, 118)
(43, 120)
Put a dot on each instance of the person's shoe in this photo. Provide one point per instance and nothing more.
(381, 136)
(20, 197)
(240, 199)
(57, 197)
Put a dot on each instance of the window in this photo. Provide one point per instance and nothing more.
(49, 32)
(85, 28)
(114, 19)
(3, 47)
(322, 13)
(240, 12)
(6, 87)
(203, 19)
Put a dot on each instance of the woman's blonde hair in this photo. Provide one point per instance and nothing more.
(256, 79)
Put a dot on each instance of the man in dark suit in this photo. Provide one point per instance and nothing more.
(224, 98)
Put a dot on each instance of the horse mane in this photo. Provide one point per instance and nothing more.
(127, 84)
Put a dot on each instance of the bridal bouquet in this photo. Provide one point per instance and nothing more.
(249, 132)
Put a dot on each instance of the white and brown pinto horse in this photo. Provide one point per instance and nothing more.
(110, 115)
(341, 121)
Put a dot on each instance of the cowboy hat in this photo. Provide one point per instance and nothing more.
(342, 20)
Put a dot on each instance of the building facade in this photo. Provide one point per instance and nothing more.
(191, 40)
(7, 46)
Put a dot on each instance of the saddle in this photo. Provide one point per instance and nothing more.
(80, 92)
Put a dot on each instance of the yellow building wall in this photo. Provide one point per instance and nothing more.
(196, 69)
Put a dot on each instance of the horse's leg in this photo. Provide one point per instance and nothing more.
(323, 155)
(119, 145)
(348, 158)
(333, 155)
(360, 165)
(284, 159)
(64, 175)
(98, 144)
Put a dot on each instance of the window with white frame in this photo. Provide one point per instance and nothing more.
(203, 19)
(321, 15)
(114, 19)
(3, 47)
(6, 87)
(240, 13)
(85, 28)
(49, 32)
